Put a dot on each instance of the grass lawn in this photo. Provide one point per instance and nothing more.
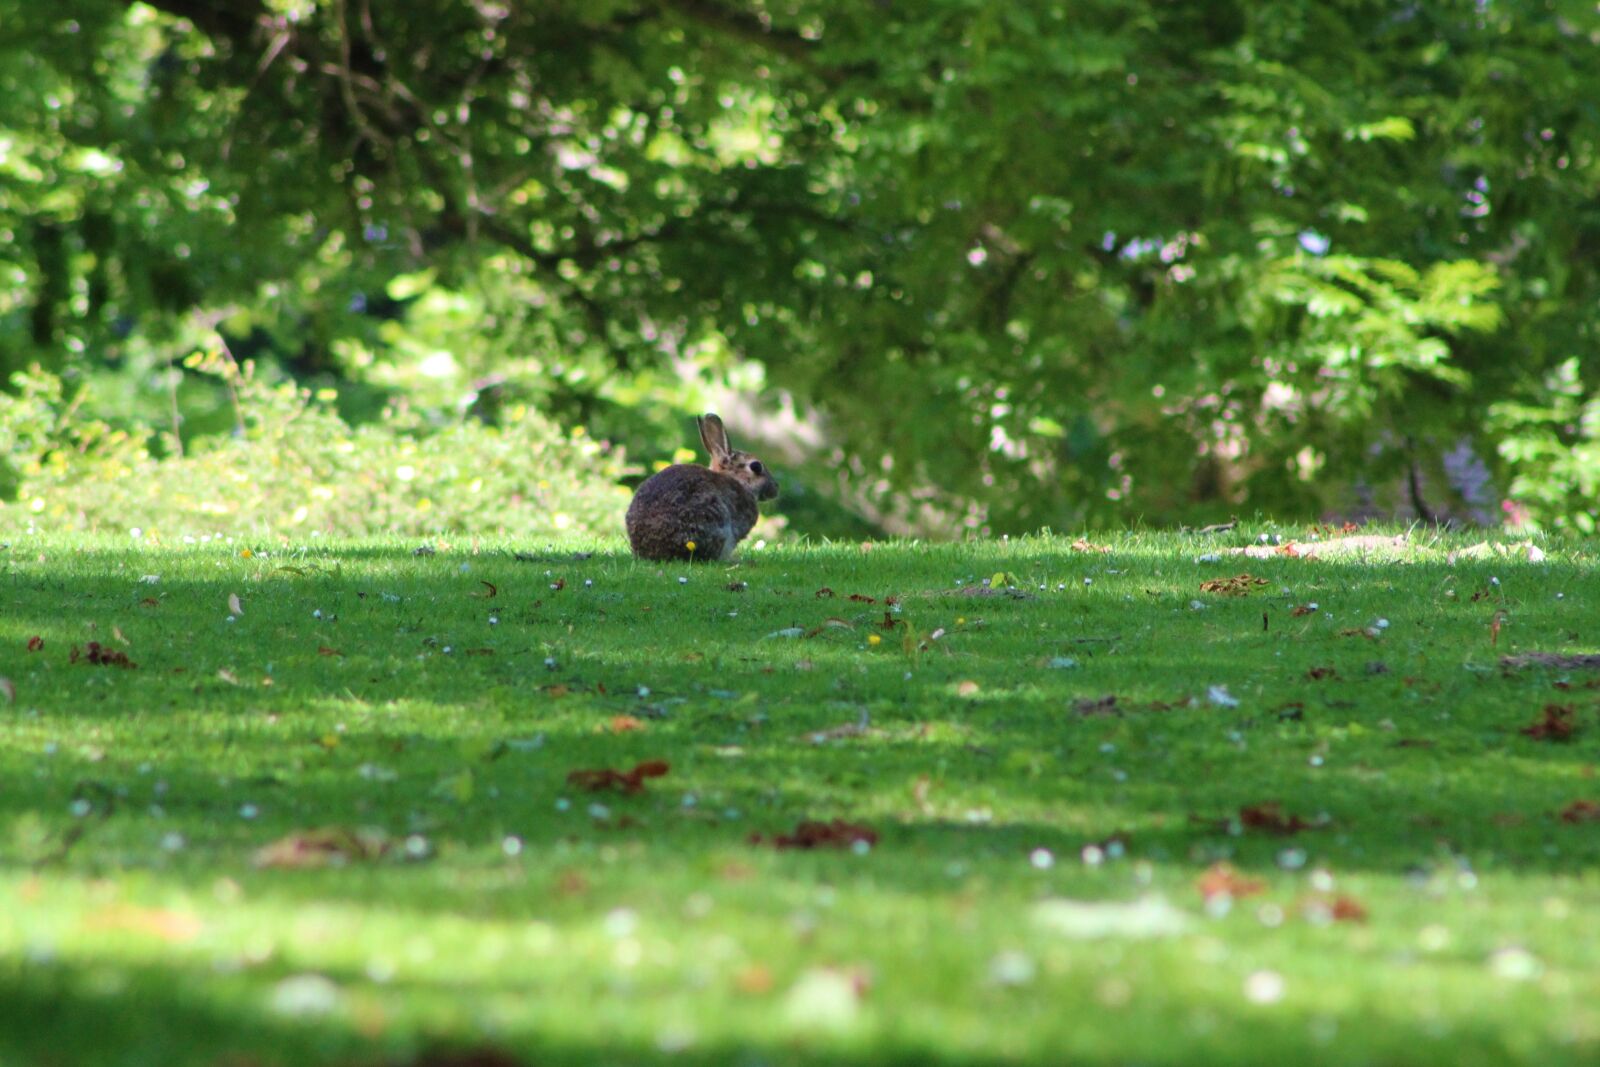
(327, 818)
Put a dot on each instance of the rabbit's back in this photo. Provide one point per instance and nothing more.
(687, 504)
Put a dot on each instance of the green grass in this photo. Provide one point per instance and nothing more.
(512, 912)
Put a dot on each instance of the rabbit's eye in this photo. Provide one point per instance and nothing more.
(755, 466)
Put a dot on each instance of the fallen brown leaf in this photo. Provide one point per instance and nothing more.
(234, 607)
(625, 724)
(753, 980)
(1238, 585)
(324, 650)
(1106, 705)
(1222, 879)
(1080, 545)
(1269, 817)
(1317, 674)
(174, 926)
(1557, 722)
(621, 781)
(809, 835)
(863, 599)
(1301, 609)
(35, 643)
(824, 593)
(332, 846)
(96, 653)
(1581, 811)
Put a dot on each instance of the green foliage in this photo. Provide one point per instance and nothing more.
(1142, 257)
(1553, 445)
(294, 467)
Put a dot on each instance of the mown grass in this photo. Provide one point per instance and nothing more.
(1438, 910)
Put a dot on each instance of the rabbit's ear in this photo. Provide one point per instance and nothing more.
(713, 436)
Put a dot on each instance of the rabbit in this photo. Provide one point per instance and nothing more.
(699, 513)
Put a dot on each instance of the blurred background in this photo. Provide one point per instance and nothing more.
(951, 267)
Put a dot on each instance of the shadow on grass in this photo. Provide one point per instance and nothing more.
(64, 1015)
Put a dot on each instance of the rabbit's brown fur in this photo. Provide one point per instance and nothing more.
(712, 508)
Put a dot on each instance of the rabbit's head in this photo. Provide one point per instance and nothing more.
(747, 469)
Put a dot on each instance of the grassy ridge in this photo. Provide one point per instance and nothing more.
(1436, 906)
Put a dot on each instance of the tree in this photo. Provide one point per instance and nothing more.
(1104, 258)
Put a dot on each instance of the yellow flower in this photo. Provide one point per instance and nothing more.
(874, 640)
(246, 554)
(689, 545)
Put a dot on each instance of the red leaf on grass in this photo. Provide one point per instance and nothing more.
(100, 656)
(1558, 722)
(1581, 811)
(812, 834)
(604, 778)
(35, 643)
(1269, 817)
(1222, 879)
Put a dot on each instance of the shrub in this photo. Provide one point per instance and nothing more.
(293, 466)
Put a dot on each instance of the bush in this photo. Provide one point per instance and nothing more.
(293, 466)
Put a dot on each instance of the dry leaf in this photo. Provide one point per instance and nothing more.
(35, 643)
(809, 835)
(1106, 705)
(324, 650)
(493, 590)
(234, 607)
(96, 653)
(1581, 811)
(332, 846)
(966, 688)
(1238, 585)
(1223, 880)
(1301, 609)
(116, 632)
(824, 593)
(1317, 674)
(1080, 545)
(621, 781)
(753, 980)
(1269, 817)
(174, 926)
(1558, 722)
(625, 724)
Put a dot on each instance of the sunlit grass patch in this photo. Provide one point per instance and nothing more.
(332, 812)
